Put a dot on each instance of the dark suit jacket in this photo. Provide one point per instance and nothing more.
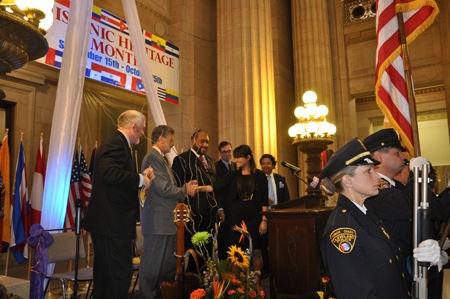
(114, 203)
(222, 169)
(282, 188)
(163, 196)
(188, 167)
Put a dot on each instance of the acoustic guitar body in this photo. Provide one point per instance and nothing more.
(183, 280)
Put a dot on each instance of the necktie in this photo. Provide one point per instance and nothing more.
(228, 166)
(271, 191)
(202, 158)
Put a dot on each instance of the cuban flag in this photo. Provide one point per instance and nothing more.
(113, 22)
(54, 57)
(20, 212)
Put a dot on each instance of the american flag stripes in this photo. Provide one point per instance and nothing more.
(80, 187)
(390, 83)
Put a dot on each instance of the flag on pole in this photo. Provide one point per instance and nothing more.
(37, 192)
(6, 175)
(80, 187)
(390, 83)
(20, 211)
(91, 163)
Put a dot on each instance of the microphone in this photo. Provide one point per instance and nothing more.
(291, 167)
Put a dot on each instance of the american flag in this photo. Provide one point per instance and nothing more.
(80, 187)
(390, 83)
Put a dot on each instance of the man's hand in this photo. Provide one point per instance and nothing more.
(221, 216)
(191, 188)
(270, 201)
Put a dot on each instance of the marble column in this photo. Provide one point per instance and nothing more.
(312, 58)
(246, 98)
(312, 52)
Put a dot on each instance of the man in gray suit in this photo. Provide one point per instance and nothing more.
(158, 263)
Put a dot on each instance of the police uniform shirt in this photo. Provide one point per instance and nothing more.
(360, 257)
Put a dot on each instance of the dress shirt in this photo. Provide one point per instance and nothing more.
(275, 200)
(391, 181)
(141, 177)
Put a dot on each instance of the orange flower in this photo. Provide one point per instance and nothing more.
(198, 294)
(231, 292)
(325, 279)
(240, 290)
(263, 295)
(236, 281)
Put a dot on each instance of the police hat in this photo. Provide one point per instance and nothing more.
(353, 153)
(383, 138)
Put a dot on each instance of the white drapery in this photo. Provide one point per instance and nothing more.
(134, 28)
(66, 115)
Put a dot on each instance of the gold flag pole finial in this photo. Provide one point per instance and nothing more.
(96, 142)
(6, 131)
(42, 135)
(21, 136)
(79, 141)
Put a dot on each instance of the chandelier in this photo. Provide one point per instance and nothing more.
(312, 122)
(23, 24)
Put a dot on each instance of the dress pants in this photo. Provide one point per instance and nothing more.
(158, 264)
(112, 267)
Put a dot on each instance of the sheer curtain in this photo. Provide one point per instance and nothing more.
(66, 114)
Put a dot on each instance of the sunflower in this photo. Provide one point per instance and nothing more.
(238, 257)
(201, 238)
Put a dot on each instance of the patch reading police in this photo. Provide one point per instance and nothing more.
(343, 239)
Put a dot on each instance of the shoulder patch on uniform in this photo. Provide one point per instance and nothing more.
(343, 239)
(384, 184)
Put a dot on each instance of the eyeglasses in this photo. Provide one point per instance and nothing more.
(226, 152)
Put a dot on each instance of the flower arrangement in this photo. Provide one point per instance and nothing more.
(226, 279)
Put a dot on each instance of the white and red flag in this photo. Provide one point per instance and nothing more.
(390, 83)
(37, 192)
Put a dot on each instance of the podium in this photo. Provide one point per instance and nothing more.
(295, 230)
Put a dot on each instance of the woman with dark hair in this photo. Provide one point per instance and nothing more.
(246, 191)
(359, 255)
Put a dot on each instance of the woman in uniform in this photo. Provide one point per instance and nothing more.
(358, 254)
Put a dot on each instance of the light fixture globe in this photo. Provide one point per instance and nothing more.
(291, 131)
(309, 97)
(300, 112)
(300, 129)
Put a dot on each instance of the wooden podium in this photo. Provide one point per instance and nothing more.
(295, 230)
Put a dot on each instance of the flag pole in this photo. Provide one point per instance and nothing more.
(409, 88)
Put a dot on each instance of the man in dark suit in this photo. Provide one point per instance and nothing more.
(194, 164)
(279, 187)
(278, 193)
(158, 263)
(224, 165)
(112, 210)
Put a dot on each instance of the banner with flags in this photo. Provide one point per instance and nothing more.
(20, 211)
(6, 196)
(37, 192)
(390, 83)
(80, 187)
(111, 57)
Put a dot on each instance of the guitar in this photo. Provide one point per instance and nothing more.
(185, 283)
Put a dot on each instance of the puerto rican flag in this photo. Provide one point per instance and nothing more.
(137, 85)
(113, 22)
(20, 212)
(54, 57)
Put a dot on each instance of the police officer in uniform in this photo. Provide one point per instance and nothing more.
(394, 203)
(359, 255)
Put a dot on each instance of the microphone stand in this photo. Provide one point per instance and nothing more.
(295, 173)
(78, 207)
